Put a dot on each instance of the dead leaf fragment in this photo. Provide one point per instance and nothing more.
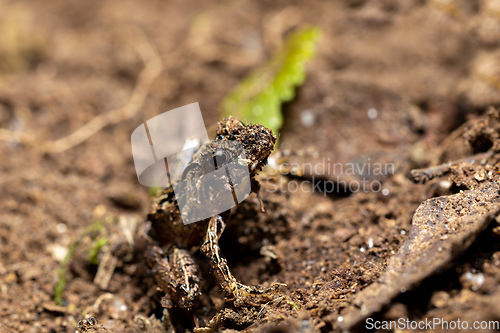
(442, 228)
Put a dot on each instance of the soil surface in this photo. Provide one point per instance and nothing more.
(390, 206)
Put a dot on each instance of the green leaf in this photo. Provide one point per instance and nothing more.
(259, 96)
(152, 191)
(62, 271)
(96, 248)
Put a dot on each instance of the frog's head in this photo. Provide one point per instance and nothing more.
(256, 141)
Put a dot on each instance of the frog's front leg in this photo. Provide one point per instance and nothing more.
(243, 294)
(177, 275)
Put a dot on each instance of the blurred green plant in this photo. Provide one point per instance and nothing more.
(97, 228)
(152, 191)
(62, 273)
(96, 249)
(259, 96)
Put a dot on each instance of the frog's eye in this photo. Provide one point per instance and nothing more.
(219, 158)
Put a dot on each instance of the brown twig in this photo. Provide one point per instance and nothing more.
(146, 78)
(423, 175)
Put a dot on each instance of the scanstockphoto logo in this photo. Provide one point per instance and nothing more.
(163, 147)
(329, 177)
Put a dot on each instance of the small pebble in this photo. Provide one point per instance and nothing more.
(476, 280)
(61, 228)
(307, 118)
(372, 113)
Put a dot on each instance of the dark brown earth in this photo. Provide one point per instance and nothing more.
(429, 69)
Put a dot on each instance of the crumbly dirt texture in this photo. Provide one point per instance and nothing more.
(412, 85)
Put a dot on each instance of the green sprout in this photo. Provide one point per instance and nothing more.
(62, 271)
(258, 98)
(96, 248)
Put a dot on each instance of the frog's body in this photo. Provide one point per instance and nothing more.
(167, 224)
(173, 268)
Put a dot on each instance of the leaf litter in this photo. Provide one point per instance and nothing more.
(444, 227)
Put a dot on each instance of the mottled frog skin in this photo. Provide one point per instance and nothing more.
(174, 269)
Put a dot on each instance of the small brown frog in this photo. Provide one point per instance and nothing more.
(174, 269)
